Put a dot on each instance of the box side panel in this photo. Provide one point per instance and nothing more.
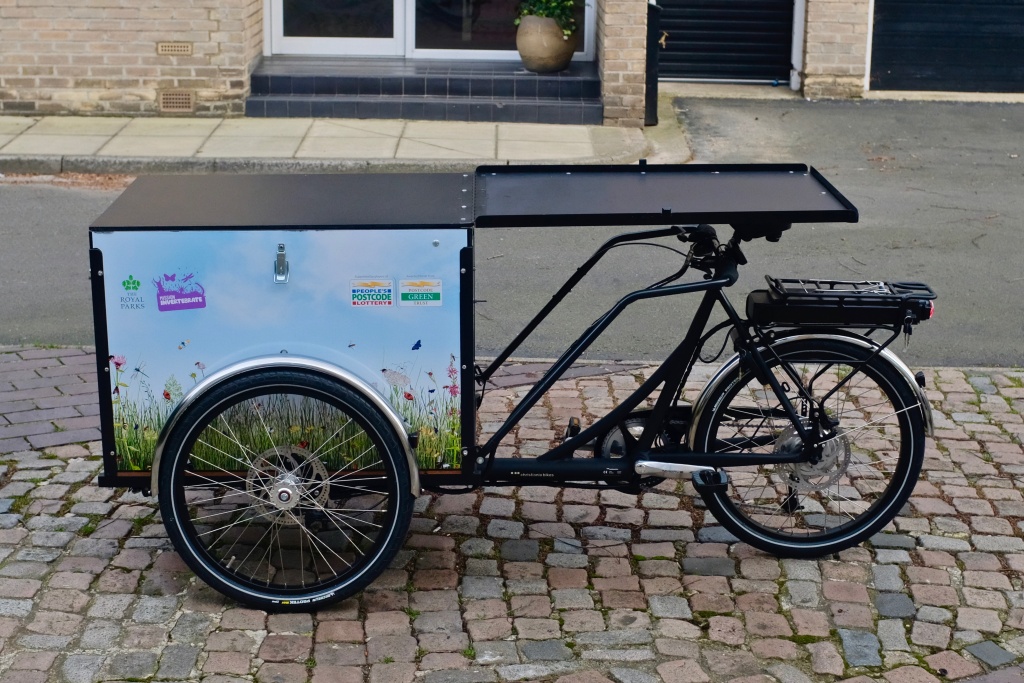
(381, 304)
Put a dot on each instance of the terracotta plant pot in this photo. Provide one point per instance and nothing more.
(542, 45)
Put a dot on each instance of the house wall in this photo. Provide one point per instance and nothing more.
(621, 56)
(835, 49)
(100, 56)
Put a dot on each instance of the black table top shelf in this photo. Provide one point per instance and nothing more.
(494, 196)
(748, 194)
(351, 200)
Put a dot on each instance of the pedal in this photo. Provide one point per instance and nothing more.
(710, 481)
(571, 429)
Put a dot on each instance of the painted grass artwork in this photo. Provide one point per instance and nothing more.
(431, 405)
(435, 411)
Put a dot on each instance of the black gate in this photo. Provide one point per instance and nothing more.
(733, 40)
(959, 45)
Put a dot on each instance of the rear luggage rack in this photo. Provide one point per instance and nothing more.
(840, 302)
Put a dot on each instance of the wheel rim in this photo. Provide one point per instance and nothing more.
(864, 460)
(284, 492)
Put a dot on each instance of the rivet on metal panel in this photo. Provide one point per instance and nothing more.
(436, 243)
(112, 453)
(99, 273)
(462, 270)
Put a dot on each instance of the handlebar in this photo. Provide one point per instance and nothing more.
(723, 260)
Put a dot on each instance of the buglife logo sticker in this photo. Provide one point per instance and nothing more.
(178, 292)
(373, 291)
(420, 292)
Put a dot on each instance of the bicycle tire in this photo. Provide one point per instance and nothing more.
(285, 490)
(797, 511)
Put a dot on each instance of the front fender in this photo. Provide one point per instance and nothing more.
(719, 377)
(287, 363)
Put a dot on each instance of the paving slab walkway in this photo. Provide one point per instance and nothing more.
(96, 144)
(90, 589)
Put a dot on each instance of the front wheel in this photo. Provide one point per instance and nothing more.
(871, 454)
(285, 490)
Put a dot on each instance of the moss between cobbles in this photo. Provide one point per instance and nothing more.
(20, 504)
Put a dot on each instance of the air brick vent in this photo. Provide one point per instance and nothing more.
(178, 101)
(177, 49)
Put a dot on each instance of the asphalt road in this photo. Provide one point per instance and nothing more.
(939, 188)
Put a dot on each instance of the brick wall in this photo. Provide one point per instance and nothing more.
(100, 56)
(621, 56)
(836, 48)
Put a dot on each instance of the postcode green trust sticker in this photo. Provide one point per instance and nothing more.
(419, 292)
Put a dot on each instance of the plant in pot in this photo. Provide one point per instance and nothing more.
(546, 37)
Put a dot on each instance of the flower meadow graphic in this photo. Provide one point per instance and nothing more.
(407, 353)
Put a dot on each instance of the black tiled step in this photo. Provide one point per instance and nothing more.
(424, 89)
(523, 110)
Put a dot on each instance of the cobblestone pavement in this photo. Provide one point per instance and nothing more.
(637, 589)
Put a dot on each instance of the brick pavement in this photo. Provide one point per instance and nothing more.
(640, 590)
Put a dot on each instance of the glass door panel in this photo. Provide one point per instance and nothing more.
(466, 24)
(338, 27)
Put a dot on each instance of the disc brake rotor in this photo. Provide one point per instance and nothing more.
(815, 476)
(284, 481)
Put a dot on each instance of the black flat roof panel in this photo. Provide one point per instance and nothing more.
(182, 202)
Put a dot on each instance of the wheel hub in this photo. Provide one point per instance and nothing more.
(284, 494)
(820, 475)
(284, 480)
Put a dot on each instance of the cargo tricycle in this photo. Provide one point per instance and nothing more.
(288, 361)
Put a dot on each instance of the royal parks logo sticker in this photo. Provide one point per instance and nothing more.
(373, 291)
(131, 300)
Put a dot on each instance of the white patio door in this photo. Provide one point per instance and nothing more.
(338, 27)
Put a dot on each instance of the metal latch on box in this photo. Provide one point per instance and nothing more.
(281, 266)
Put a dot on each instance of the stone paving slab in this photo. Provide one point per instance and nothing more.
(572, 586)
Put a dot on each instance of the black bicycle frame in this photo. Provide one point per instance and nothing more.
(556, 466)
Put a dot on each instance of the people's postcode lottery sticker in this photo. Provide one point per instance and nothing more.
(373, 291)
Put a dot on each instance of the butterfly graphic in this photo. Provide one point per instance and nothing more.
(184, 344)
(170, 278)
(417, 345)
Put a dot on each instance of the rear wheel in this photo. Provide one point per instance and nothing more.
(285, 490)
(871, 456)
